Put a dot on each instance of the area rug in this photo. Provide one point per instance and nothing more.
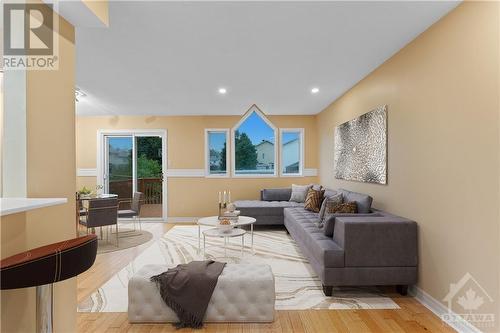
(297, 286)
(127, 238)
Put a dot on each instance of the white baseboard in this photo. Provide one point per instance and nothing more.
(189, 220)
(439, 310)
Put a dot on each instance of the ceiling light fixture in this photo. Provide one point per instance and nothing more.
(315, 90)
(79, 94)
(222, 91)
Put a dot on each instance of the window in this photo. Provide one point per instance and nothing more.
(216, 156)
(292, 151)
(254, 141)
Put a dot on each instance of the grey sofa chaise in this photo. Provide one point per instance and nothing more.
(269, 209)
(369, 248)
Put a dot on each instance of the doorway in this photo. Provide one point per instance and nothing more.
(134, 161)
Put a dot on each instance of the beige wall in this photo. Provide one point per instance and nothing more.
(186, 150)
(50, 115)
(443, 149)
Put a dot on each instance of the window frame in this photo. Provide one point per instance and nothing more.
(207, 152)
(301, 132)
(247, 114)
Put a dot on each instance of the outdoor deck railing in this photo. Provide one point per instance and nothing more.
(151, 187)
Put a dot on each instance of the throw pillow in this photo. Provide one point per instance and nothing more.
(335, 199)
(329, 225)
(343, 208)
(313, 200)
(363, 201)
(299, 192)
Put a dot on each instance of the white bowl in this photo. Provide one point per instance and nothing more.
(225, 227)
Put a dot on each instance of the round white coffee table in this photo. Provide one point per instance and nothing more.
(226, 234)
(213, 221)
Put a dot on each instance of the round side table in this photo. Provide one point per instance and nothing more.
(226, 234)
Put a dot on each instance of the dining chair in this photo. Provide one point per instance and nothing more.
(101, 213)
(82, 211)
(135, 208)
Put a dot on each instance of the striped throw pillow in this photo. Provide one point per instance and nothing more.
(343, 208)
(314, 199)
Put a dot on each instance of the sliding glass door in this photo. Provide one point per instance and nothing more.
(134, 163)
(149, 174)
(119, 171)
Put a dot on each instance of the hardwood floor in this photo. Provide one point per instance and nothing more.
(411, 317)
(108, 264)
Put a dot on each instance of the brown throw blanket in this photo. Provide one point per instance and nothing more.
(187, 290)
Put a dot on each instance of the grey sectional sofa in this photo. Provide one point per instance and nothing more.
(369, 248)
(269, 209)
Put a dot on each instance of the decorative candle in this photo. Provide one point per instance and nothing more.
(225, 197)
(229, 199)
(219, 197)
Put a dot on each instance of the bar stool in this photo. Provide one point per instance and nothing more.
(42, 267)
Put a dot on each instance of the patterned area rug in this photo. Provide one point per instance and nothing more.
(297, 286)
(128, 238)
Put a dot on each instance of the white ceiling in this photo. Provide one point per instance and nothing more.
(170, 58)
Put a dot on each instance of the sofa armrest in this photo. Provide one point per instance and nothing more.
(387, 241)
(329, 223)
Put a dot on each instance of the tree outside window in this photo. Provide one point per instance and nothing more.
(217, 152)
(255, 148)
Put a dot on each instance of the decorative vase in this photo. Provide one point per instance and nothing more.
(231, 207)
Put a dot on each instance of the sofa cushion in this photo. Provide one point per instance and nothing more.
(363, 201)
(299, 192)
(276, 194)
(314, 199)
(317, 187)
(324, 250)
(264, 208)
(300, 215)
(330, 192)
(335, 198)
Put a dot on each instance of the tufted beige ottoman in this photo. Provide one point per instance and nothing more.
(244, 293)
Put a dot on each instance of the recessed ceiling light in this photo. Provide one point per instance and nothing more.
(222, 91)
(79, 94)
(315, 90)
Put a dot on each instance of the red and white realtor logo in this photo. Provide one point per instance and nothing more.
(465, 300)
